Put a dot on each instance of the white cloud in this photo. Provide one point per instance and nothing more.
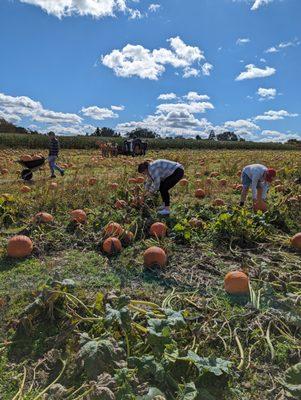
(23, 106)
(118, 108)
(267, 94)
(253, 72)
(194, 96)
(98, 113)
(72, 130)
(135, 60)
(259, 3)
(94, 8)
(274, 115)
(167, 96)
(192, 108)
(242, 41)
(240, 125)
(283, 45)
(206, 69)
(154, 7)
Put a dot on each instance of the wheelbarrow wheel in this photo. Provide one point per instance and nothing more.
(26, 175)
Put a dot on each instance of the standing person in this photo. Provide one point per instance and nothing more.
(258, 177)
(162, 175)
(53, 155)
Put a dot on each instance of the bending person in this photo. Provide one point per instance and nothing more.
(162, 175)
(257, 177)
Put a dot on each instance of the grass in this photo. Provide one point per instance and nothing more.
(260, 342)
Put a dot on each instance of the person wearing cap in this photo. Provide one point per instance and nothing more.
(162, 175)
(258, 177)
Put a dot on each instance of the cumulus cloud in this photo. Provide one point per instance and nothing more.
(94, 8)
(135, 60)
(23, 106)
(154, 7)
(167, 96)
(71, 130)
(192, 107)
(194, 96)
(118, 108)
(242, 41)
(267, 94)
(274, 115)
(98, 113)
(206, 69)
(283, 45)
(240, 125)
(253, 72)
(259, 3)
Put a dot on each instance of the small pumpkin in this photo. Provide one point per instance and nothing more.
(19, 246)
(43, 217)
(183, 182)
(200, 193)
(25, 189)
(155, 256)
(111, 246)
(158, 230)
(113, 229)
(218, 203)
(119, 204)
(92, 181)
(53, 186)
(223, 182)
(236, 282)
(79, 216)
(113, 186)
(296, 241)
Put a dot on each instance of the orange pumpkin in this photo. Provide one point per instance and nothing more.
(132, 180)
(140, 180)
(200, 194)
(119, 204)
(236, 282)
(183, 182)
(158, 229)
(223, 182)
(19, 246)
(113, 229)
(4, 171)
(155, 256)
(25, 189)
(218, 203)
(296, 241)
(209, 181)
(25, 157)
(127, 238)
(53, 186)
(260, 206)
(79, 216)
(112, 246)
(43, 217)
(214, 174)
(92, 181)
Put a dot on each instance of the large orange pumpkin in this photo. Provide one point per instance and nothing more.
(158, 229)
(236, 282)
(79, 216)
(43, 217)
(200, 194)
(111, 246)
(19, 246)
(296, 241)
(113, 229)
(154, 256)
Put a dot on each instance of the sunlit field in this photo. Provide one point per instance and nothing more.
(90, 313)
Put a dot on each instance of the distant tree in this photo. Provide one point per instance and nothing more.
(142, 133)
(104, 132)
(227, 137)
(294, 141)
(212, 135)
(8, 127)
(198, 137)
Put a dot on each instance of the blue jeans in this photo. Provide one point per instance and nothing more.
(53, 166)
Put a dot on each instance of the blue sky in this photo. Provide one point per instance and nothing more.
(180, 67)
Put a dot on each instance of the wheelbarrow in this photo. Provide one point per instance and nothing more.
(30, 167)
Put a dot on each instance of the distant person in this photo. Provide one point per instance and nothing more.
(53, 155)
(258, 177)
(162, 175)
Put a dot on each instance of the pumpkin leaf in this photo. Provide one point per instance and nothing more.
(151, 395)
(148, 368)
(292, 380)
(216, 366)
(187, 392)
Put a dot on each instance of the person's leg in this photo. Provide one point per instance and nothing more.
(168, 184)
(51, 165)
(246, 183)
(55, 166)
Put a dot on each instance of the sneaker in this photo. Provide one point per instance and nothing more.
(62, 173)
(164, 212)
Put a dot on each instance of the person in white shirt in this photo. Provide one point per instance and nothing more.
(162, 175)
(258, 177)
